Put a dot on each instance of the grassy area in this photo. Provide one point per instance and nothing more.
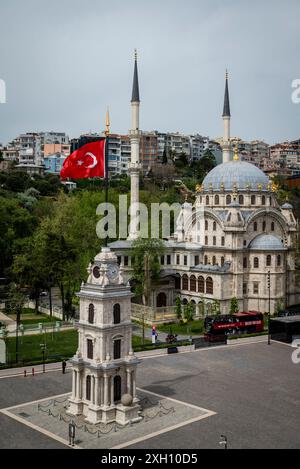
(58, 345)
(189, 328)
(29, 316)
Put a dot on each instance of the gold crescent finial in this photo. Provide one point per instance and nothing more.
(226, 74)
(135, 54)
(107, 123)
(236, 154)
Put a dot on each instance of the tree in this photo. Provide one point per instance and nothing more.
(216, 307)
(146, 254)
(178, 309)
(189, 311)
(234, 306)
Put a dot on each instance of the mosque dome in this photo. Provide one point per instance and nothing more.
(236, 175)
(267, 242)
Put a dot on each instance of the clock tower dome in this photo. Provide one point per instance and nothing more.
(104, 367)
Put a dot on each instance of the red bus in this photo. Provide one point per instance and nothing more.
(218, 327)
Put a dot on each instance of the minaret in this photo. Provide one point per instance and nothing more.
(226, 120)
(134, 166)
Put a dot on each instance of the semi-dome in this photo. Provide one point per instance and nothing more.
(236, 175)
(267, 242)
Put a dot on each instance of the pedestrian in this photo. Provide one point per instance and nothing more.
(64, 365)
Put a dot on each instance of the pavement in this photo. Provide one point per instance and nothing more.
(253, 389)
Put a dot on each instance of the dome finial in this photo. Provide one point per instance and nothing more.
(236, 153)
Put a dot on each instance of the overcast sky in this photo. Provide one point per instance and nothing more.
(64, 61)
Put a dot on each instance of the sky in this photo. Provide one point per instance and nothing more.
(65, 61)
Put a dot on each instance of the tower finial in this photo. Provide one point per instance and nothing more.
(226, 74)
(236, 153)
(107, 123)
(135, 98)
(135, 54)
(226, 107)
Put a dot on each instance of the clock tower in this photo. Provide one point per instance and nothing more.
(104, 367)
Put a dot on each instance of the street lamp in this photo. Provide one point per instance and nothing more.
(18, 320)
(223, 442)
(269, 312)
(43, 347)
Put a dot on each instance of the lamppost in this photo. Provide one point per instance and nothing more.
(18, 320)
(269, 312)
(43, 347)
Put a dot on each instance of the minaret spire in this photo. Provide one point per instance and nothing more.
(107, 122)
(134, 166)
(226, 147)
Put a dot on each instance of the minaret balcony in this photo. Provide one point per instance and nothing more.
(133, 167)
(135, 133)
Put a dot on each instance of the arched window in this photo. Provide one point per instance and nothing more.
(214, 260)
(264, 226)
(217, 200)
(222, 260)
(272, 226)
(88, 388)
(270, 200)
(207, 200)
(241, 199)
(214, 226)
(90, 348)
(192, 283)
(206, 224)
(214, 240)
(223, 241)
(268, 260)
(117, 349)
(185, 282)
(228, 199)
(209, 286)
(278, 260)
(245, 264)
(256, 262)
(263, 200)
(91, 313)
(117, 388)
(205, 260)
(255, 226)
(206, 240)
(117, 313)
(201, 284)
(253, 200)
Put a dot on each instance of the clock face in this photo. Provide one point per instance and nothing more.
(96, 272)
(113, 271)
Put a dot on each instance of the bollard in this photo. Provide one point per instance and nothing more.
(32, 371)
(25, 374)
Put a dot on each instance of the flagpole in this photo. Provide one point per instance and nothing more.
(107, 130)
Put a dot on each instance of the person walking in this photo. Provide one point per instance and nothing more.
(64, 365)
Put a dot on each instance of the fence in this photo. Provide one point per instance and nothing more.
(152, 315)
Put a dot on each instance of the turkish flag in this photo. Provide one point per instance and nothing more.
(86, 162)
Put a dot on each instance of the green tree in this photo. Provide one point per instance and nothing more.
(216, 307)
(189, 311)
(234, 306)
(146, 254)
(178, 309)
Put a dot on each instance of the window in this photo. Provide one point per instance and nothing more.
(214, 260)
(272, 226)
(244, 288)
(222, 260)
(214, 240)
(192, 283)
(206, 240)
(245, 263)
(125, 260)
(196, 260)
(90, 353)
(117, 349)
(217, 200)
(88, 388)
(207, 200)
(184, 260)
(205, 260)
(263, 200)
(270, 200)
(223, 241)
(214, 226)
(241, 199)
(209, 286)
(206, 224)
(228, 199)
(162, 260)
(201, 284)
(185, 282)
(255, 288)
(268, 260)
(278, 260)
(91, 313)
(253, 200)
(177, 259)
(117, 313)
(119, 260)
(255, 226)
(264, 226)
(177, 283)
(256, 262)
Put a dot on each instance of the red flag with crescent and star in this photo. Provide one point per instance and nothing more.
(87, 161)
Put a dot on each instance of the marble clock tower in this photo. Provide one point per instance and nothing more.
(104, 367)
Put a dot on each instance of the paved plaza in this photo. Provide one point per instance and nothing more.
(249, 392)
